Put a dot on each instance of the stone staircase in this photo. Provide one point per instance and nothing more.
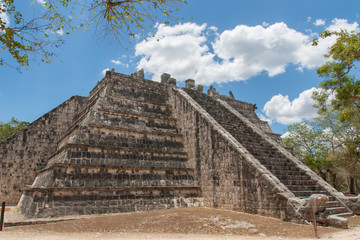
(123, 154)
(294, 178)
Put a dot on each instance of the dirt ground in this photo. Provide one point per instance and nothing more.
(197, 223)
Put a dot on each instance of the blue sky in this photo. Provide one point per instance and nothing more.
(260, 50)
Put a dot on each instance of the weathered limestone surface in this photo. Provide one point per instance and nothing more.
(135, 145)
(124, 154)
(25, 153)
(229, 176)
(294, 176)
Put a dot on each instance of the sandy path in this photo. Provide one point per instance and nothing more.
(343, 235)
(199, 223)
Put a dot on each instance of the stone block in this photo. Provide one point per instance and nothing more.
(190, 83)
(165, 77)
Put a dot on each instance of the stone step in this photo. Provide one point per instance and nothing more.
(74, 201)
(344, 215)
(306, 194)
(144, 109)
(282, 168)
(288, 173)
(93, 177)
(163, 119)
(293, 177)
(137, 94)
(136, 131)
(126, 158)
(98, 135)
(335, 210)
(279, 163)
(118, 120)
(93, 152)
(141, 85)
(120, 169)
(298, 182)
(163, 105)
(304, 187)
(159, 163)
(106, 138)
(332, 204)
(274, 159)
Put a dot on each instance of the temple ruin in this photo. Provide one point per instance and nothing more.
(138, 145)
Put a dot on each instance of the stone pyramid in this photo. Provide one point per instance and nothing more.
(124, 153)
(141, 145)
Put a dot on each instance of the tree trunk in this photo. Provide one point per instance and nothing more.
(333, 179)
(352, 185)
(357, 185)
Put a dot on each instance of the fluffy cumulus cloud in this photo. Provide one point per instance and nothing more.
(180, 50)
(338, 24)
(284, 111)
(189, 51)
(257, 49)
(319, 22)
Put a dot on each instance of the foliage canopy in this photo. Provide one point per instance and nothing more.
(340, 73)
(21, 36)
(11, 127)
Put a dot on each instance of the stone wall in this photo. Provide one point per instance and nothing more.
(230, 177)
(77, 201)
(25, 153)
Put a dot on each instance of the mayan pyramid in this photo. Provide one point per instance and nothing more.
(137, 145)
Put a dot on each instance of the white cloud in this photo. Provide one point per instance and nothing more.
(260, 49)
(42, 2)
(116, 62)
(213, 28)
(284, 111)
(3, 16)
(308, 19)
(265, 24)
(313, 56)
(179, 50)
(319, 22)
(338, 24)
(103, 72)
(186, 51)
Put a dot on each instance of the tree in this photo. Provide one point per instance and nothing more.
(343, 55)
(309, 143)
(342, 136)
(22, 35)
(341, 94)
(11, 127)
